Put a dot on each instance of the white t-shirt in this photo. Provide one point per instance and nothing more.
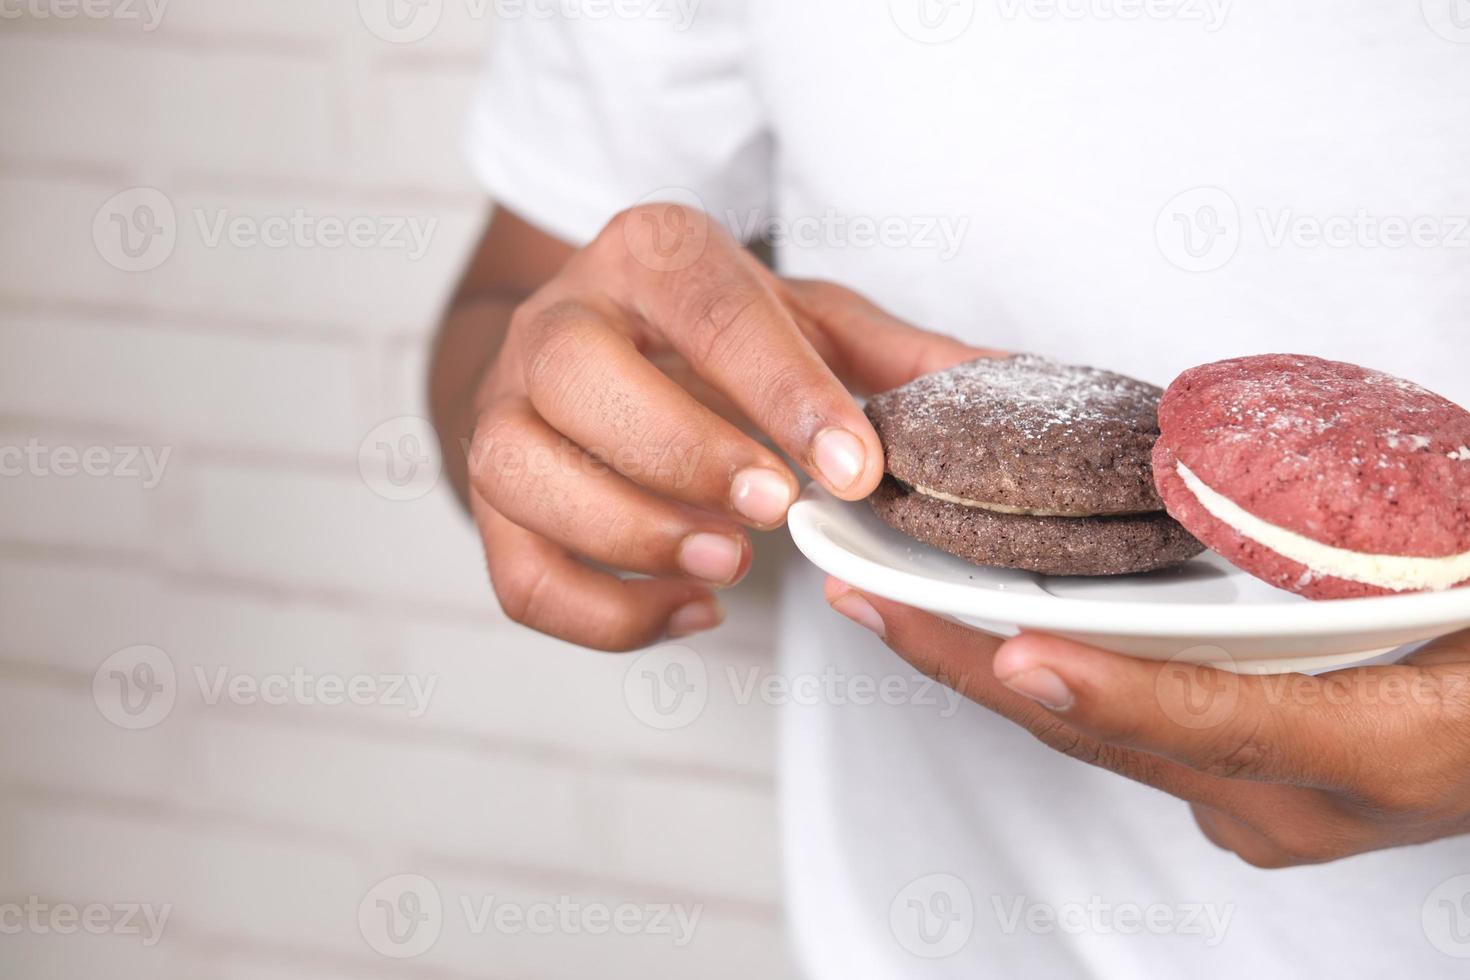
(1143, 186)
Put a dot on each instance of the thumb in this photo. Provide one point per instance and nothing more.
(1288, 728)
(869, 348)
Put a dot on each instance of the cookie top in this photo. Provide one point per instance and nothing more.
(1343, 455)
(1026, 434)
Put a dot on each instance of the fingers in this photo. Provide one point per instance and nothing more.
(961, 659)
(1247, 843)
(587, 380)
(722, 314)
(1288, 827)
(1266, 824)
(869, 348)
(1213, 721)
(541, 586)
(538, 480)
(1321, 767)
(1358, 733)
(1283, 771)
(940, 649)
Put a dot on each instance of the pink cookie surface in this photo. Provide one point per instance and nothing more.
(1346, 456)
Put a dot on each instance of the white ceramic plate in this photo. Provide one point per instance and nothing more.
(1208, 611)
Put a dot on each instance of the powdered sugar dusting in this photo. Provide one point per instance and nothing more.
(1304, 408)
(1025, 432)
(1027, 394)
(1397, 440)
(1338, 453)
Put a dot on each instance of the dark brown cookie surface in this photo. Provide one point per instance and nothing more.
(1114, 545)
(1025, 433)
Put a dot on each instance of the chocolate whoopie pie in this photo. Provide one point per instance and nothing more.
(1026, 463)
(1325, 479)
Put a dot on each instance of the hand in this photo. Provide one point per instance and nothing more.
(1282, 770)
(604, 427)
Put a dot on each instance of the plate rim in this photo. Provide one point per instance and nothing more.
(1093, 615)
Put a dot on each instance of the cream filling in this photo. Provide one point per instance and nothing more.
(996, 508)
(1385, 571)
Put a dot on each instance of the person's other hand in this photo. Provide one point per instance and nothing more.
(608, 429)
(1284, 770)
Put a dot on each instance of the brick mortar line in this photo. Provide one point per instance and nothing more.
(448, 864)
(453, 59)
(437, 738)
(64, 169)
(36, 795)
(24, 308)
(105, 316)
(217, 945)
(478, 745)
(302, 463)
(326, 596)
(106, 175)
(81, 428)
(326, 47)
(187, 939)
(373, 605)
(25, 794)
(113, 557)
(114, 33)
(388, 194)
(142, 314)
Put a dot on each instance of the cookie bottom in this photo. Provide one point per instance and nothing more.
(1121, 545)
(1245, 553)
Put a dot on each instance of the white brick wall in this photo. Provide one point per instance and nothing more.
(159, 107)
(263, 555)
(305, 395)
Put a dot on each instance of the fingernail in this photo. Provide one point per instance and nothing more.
(860, 611)
(696, 617)
(1043, 686)
(712, 557)
(840, 457)
(760, 495)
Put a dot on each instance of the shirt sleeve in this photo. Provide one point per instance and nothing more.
(576, 118)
